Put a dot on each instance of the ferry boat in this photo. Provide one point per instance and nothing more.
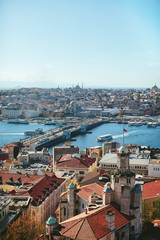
(131, 123)
(16, 121)
(33, 132)
(104, 138)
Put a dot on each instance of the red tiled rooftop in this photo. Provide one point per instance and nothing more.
(26, 180)
(93, 224)
(151, 189)
(74, 162)
(44, 188)
(65, 157)
(156, 223)
(86, 191)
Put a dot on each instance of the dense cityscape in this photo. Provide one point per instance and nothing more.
(80, 120)
(61, 196)
(78, 102)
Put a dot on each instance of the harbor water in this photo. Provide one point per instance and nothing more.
(141, 135)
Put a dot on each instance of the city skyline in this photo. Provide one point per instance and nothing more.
(112, 44)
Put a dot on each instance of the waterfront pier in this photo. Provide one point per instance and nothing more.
(54, 136)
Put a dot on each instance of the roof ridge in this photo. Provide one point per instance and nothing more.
(73, 224)
(99, 210)
(90, 184)
(91, 228)
(80, 227)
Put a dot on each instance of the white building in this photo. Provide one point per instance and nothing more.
(11, 112)
(154, 168)
(31, 113)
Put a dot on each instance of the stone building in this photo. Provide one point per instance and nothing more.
(119, 216)
(26, 157)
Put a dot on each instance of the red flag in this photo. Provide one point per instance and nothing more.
(124, 130)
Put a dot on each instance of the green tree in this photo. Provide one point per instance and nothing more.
(23, 229)
(156, 210)
(146, 211)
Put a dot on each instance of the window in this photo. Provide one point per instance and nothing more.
(64, 211)
(123, 235)
(81, 172)
(132, 228)
(128, 180)
(82, 205)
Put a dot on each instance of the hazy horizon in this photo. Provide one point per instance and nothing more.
(102, 44)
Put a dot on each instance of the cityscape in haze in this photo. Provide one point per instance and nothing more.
(79, 119)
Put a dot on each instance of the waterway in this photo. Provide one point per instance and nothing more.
(141, 135)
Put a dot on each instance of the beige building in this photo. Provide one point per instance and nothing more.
(58, 152)
(45, 198)
(76, 164)
(25, 157)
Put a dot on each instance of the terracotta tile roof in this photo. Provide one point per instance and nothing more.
(86, 191)
(74, 162)
(26, 180)
(151, 189)
(44, 188)
(93, 224)
(92, 177)
(65, 157)
(156, 223)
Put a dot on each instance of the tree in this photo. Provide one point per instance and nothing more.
(53, 114)
(146, 211)
(61, 114)
(23, 229)
(156, 210)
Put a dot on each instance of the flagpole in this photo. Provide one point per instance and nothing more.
(123, 136)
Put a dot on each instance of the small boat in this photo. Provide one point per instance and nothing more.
(104, 138)
(33, 132)
(152, 125)
(18, 121)
(131, 123)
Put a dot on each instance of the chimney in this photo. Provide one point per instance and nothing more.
(110, 220)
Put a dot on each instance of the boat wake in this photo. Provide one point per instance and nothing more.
(11, 134)
(131, 133)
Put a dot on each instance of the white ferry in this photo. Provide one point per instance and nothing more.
(33, 132)
(104, 138)
(50, 123)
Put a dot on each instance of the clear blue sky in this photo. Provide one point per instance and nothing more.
(102, 43)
